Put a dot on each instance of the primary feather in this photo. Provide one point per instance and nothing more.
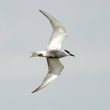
(54, 69)
(59, 32)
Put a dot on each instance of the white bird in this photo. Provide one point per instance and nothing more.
(53, 51)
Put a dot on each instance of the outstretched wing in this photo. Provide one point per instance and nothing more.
(59, 32)
(54, 70)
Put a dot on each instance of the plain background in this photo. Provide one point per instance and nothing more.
(85, 81)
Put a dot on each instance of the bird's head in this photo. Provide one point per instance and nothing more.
(68, 53)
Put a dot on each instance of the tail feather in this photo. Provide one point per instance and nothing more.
(38, 54)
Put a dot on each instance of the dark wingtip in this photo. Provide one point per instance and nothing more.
(41, 11)
(44, 13)
(34, 91)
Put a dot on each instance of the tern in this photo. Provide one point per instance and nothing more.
(53, 51)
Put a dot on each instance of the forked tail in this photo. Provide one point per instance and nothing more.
(40, 54)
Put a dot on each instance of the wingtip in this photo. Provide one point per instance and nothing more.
(32, 92)
(43, 12)
(38, 89)
(40, 11)
(35, 90)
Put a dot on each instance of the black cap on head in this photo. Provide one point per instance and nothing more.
(69, 53)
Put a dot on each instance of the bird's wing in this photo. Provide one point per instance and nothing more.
(54, 69)
(59, 32)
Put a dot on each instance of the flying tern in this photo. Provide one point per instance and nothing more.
(53, 51)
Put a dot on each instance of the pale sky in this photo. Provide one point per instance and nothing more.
(85, 81)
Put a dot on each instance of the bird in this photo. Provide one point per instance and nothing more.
(53, 52)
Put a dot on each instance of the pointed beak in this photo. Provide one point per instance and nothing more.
(72, 55)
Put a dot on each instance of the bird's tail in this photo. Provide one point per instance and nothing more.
(40, 54)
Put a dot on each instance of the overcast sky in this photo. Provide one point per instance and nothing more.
(85, 81)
